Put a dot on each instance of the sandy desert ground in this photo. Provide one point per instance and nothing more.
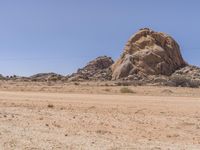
(54, 117)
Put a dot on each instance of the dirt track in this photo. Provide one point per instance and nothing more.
(33, 120)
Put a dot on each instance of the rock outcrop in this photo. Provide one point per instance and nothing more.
(97, 69)
(189, 71)
(46, 77)
(2, 77)
(148, 53)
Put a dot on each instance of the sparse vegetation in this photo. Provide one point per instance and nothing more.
(126, 90)
(107, 90)
(50, 106)
(54, 79)
(123, 84)
(50, 83)
(167, 91)
(106, 84)
(76, 83)
(130, 83)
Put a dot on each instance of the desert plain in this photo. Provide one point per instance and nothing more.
(92, 115)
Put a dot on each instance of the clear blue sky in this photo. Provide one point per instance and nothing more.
(63, 35)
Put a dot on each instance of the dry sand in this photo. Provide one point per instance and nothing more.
(35, 120)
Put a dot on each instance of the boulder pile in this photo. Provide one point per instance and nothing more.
(97, 69)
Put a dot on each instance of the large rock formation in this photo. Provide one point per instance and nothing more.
(97, 69)
(148, 53)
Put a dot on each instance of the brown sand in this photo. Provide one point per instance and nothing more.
(54, 121)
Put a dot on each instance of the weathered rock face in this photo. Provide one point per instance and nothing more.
(148, 53)
(97, 69)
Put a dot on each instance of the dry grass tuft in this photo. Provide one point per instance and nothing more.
(126, 90)
(50, 106)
